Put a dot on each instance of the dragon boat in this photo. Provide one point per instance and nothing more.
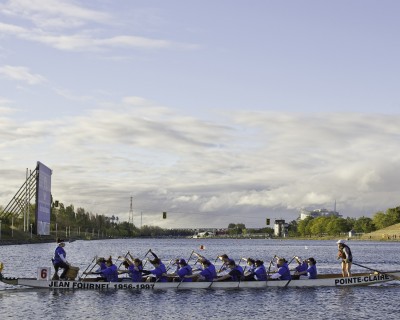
(323, 280)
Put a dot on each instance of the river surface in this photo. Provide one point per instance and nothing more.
(377, 302)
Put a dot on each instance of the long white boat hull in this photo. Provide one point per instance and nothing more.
(333, 280)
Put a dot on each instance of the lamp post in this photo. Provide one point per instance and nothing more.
(31, 230)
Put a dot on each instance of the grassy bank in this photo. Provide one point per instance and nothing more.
(391, 233)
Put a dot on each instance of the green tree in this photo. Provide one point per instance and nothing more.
(303, 226)
(318, 225)
(336, 226)
(292, 228)
(393, 215)
(380, 220)
(364, 224)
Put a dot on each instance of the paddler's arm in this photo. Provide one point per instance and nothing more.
(154, 255)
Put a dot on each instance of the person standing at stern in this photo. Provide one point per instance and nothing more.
(344, 253)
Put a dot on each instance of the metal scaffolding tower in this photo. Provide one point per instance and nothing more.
(130, 220)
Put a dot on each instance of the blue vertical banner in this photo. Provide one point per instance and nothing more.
(43, 199)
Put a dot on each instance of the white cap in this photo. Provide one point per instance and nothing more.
(340, 241)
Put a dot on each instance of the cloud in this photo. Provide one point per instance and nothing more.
(68, 27)
(21, 74)
(241, 168)
(53, 13)
(4, 105)
(90, 41)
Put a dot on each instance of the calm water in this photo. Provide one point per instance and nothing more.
(380, 302)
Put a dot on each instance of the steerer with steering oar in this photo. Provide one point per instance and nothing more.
(389, 273)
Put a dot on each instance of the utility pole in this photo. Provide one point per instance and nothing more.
(130, 220)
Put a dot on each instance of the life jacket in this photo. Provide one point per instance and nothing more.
(342, 254)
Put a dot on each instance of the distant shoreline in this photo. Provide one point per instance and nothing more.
(5, 242)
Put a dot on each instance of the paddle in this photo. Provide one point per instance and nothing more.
(199, 257)
(270, 264)
(291, 260)
(132, 258)
(148, 251)
(83, 273)
(245, 267)
(183, 278)
(223, 267)
(124, 257)
(381, 272)
(287, 283)
(190, 257)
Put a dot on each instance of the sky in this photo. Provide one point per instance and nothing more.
(216, 112)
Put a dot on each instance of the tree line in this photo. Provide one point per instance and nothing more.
(68, 222)
(327, 225)
(332, 225)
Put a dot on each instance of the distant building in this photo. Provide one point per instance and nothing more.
(280, 228)
(304, 213)
(352, 233)
(204, 234)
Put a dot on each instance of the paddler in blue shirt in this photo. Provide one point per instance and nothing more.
(60, 260)
(159, 271)
(249, 274)
(311, 272)
(302, 265)
(225, 261)
(283, 272)
(208, 273)
(235, 273)
(182, 269)
(101, 262)
(135, 268)
(260, 273)
(110, 273)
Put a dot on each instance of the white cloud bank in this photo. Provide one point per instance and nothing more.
(68, 27)
(242, 168)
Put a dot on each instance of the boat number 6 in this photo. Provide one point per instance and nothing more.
(43, 274)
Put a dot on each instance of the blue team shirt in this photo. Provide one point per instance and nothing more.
(59, 251)
(302, 267)
(285, 272)
(158, 272)
(260, 274)
(136, 275)
(184, 271)
(110, 273)
(209, 273)
(236, 273)
(252, 268)
(312, 272)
